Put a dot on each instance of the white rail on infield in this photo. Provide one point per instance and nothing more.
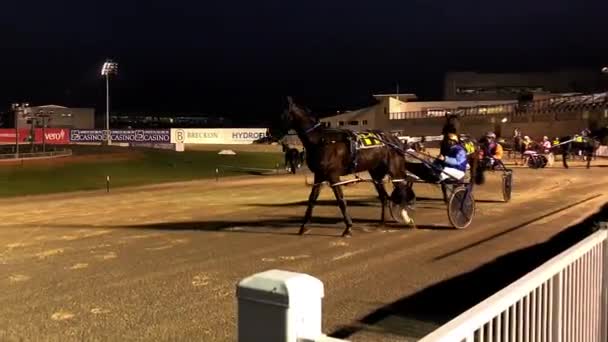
(563, 300)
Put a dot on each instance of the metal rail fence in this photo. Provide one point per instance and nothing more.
(55, 153)
(563, 300)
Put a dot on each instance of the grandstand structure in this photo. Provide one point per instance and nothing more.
(557, 104)
(553, 116)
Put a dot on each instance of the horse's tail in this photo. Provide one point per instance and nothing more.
(478, 172)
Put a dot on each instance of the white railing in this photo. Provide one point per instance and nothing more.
(564, 300)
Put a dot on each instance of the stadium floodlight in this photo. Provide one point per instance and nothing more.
(109, 68)
(605, 70)
(504, 120)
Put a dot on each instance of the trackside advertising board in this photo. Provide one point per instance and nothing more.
(51, 136)
(133, 136)
(217, 135)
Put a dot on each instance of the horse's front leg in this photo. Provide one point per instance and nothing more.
(312, 199)
(342, 204)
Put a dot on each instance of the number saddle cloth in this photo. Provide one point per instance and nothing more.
(355, 140)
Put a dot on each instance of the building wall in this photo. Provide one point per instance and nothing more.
(553, 124)
(563, 81)
(61, 117)
(421, 106)
(535, 126)
(365, 118)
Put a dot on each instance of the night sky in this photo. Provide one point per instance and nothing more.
(241, 57)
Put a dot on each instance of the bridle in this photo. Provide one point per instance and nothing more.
(315, 126)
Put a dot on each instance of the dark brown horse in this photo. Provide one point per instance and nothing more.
(330, 154)
(586, 145)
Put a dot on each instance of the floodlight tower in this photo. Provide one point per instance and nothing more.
(19, 110)
(109, 68)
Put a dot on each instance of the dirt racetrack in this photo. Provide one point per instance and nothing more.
(161, 263)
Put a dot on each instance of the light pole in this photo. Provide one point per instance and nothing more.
(19, 109)
(44, 115)
(109, 68)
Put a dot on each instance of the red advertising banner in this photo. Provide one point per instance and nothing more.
(51, 136)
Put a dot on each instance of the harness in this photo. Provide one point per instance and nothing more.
(361, 141)
(357, 141)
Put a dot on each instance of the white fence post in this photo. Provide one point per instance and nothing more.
(604, 308)
(557, 303)
(280, 306)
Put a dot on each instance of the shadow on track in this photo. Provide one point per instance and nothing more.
(417, 315)
(365, 202)
(260, 226)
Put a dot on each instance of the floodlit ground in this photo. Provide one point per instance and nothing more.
(161, 263)
(90, 166)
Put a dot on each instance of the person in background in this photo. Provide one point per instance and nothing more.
(527, 143)
(546, 145)
(493, 149)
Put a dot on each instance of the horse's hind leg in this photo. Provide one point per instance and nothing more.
(589, 156)
(383, 195)
(312, 199)
(342, 204)
(444, 191)
(377, 177)
(292, 163)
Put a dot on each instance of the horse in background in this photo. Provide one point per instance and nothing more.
(293, 158)
(518, 146)
(331, 153)
(588, 145)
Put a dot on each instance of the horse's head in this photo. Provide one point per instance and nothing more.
(299, 118)
(452, 124)
(516, 133)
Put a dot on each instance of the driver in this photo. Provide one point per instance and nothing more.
(455, 162)
(493, 149)
(546, 144)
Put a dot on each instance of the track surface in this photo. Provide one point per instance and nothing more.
(161, 263)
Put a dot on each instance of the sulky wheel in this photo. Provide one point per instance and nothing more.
(461, 208)
(543, 161)
(507, 186)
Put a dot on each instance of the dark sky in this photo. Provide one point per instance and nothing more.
(242, 57)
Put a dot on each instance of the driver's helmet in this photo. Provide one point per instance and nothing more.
(585, 132)
(491, 135)
(545, 138)
(453, 137)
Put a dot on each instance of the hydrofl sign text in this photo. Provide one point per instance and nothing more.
(217, 136)
(129, 136)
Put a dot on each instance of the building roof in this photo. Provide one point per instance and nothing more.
(401, 97)
(358, 114)
(52, 106)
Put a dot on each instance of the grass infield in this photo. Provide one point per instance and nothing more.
(88, 168)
